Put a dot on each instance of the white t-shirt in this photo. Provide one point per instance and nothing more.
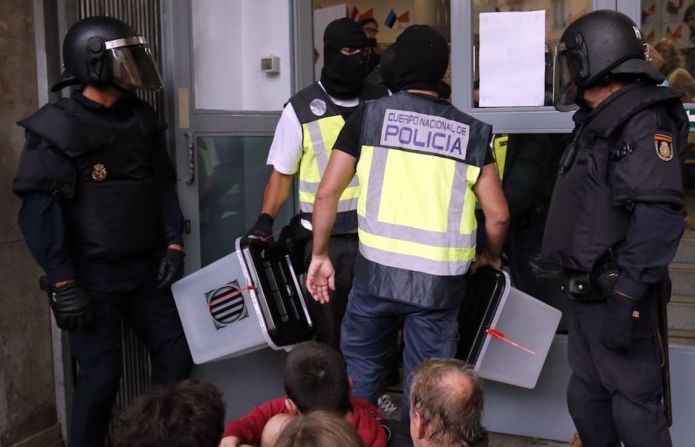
(286, 149)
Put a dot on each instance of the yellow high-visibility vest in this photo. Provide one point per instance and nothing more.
(318, 139)
(416, 208)
(321, 123)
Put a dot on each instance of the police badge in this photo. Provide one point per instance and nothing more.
(664, 146)
(318, 107)
(99, 172)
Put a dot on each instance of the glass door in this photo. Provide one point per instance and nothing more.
(227, 80)
(230, 65)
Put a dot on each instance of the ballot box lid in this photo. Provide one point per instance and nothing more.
(276, 293)
(505, 332)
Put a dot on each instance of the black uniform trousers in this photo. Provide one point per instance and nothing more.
(327, 318)
(152, 314)
(615, 395)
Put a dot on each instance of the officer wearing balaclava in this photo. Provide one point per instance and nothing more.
(308, 127)
(425, 163)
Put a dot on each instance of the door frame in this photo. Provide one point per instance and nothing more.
(187, 123)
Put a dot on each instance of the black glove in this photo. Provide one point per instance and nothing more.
(263, 228)
(294, 238)
(170, 268)
(622, 313)
(71, 307)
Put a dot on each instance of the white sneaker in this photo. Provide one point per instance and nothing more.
(386, 405)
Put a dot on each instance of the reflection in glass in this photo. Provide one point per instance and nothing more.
(231, 177)
(558, 14)
(228, 43)
(528, 164)
(391, 19)
(669, 29)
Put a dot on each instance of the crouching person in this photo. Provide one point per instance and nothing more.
(315, 379)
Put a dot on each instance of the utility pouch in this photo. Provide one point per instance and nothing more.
(604, 278)
(578, 287)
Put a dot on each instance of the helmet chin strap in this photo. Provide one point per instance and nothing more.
(117, 87)
(581, 100)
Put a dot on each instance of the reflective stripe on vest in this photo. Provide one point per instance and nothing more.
(416, 211)
(319, 137)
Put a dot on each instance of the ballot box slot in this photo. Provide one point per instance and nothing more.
(275, 290)
(292, 297)
(279, 297)
(483, 293)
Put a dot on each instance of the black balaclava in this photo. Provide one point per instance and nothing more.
(342, 76)
(420, 60)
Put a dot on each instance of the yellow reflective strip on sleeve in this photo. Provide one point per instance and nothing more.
(468, 222)
(442, 254)
(416, 190)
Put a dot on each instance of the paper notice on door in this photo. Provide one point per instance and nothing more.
(512, 59)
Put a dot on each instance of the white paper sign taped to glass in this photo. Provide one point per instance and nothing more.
(245, 301)
(504, 332)
(512, 59)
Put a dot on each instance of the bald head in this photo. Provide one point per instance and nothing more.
(446, 404)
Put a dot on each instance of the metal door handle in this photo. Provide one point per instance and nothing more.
(191, 158)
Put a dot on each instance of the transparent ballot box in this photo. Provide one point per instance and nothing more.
(504, 332)
(243, 302)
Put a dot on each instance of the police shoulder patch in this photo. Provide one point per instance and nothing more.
(318, 107)
(663, 144)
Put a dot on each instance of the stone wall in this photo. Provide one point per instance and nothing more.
(27, 398)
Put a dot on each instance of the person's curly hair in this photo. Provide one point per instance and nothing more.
(187, 414)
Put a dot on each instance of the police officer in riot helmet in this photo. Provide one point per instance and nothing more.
(614, 225)
(100, 214)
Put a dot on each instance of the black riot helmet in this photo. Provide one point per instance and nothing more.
(107, 51)
(594, 46)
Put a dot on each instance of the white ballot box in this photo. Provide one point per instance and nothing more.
(504, 332)
(247, 300)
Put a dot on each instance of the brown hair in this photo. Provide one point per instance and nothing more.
(447, 395)
(189, 413)
(673, 58)
(319, 429)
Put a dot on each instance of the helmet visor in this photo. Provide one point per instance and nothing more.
(564, 85)
(133, 67)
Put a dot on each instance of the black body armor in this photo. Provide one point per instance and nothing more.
(629, 149)
(111, 208)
